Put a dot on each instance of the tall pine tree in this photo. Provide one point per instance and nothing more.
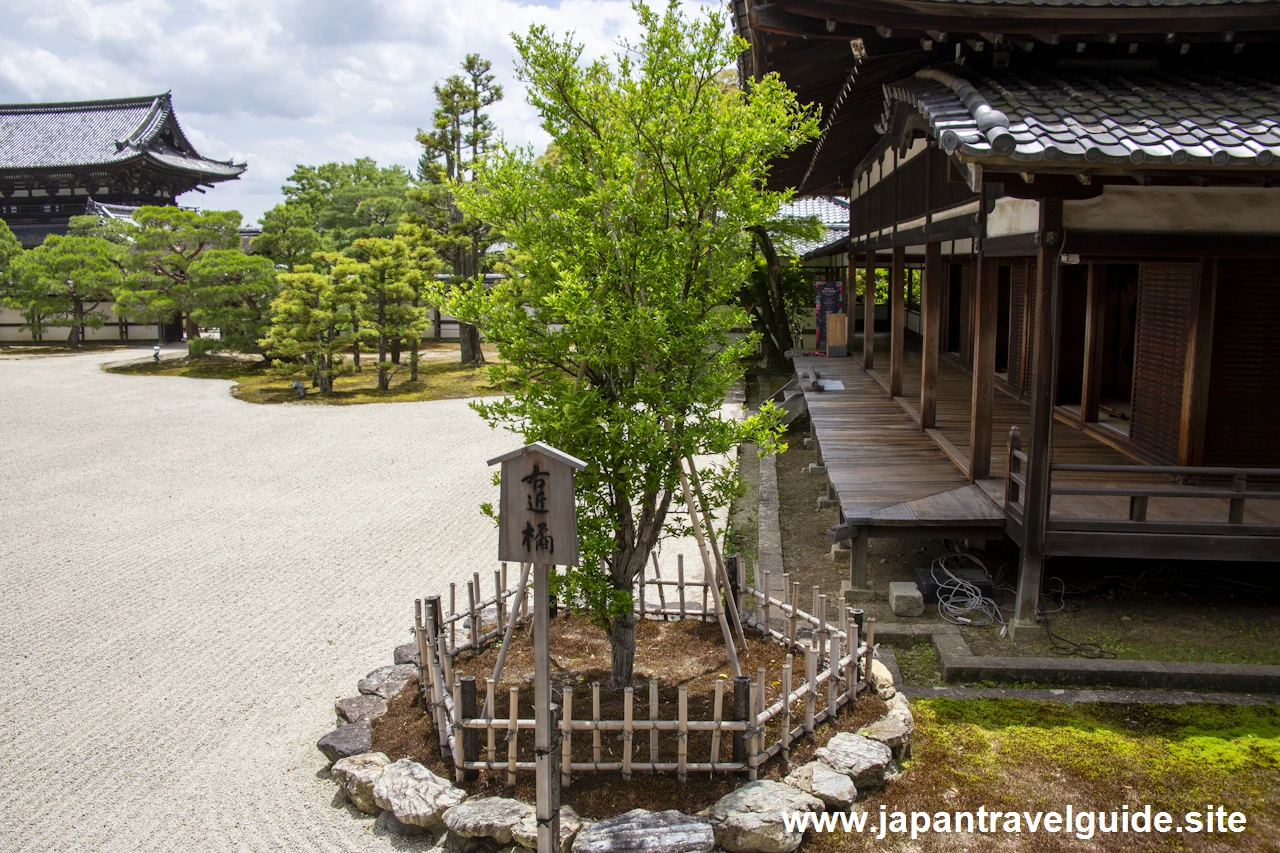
(459, 140)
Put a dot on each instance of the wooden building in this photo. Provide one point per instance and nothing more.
(1085, 192)
(56, 159)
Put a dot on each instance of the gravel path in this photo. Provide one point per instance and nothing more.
(188, 582)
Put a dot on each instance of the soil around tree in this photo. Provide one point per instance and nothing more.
(686, 652)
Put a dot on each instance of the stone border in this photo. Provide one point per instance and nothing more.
(959, 663)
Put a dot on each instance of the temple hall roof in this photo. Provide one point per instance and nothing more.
(86, 134)
(1094, 117)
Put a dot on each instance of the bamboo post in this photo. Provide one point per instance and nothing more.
(628, 708)
(722, 573)
(472, 621)
(680, 582)
(499, 587)
(706, 588)
(595, 721)
(741, 708)
(833, 684)
(504, 575)
(709, 577)
(850, 668)
(811, 680)
(795, 605)
(468, 710)
(871, 646)
(521, 592)
(756, 713)
(817, 592)
(662, 596)
(822, 629)
(682, 772)
(764, 607)
(420, 640)
(653, 715)
(491, 741)
(513, 729)
(460, 752)
(453, 612)
(566, 739)
(753, 755)
(436, 687)
(446, 666)
(718, 709)
(740, 575)
(786, 712)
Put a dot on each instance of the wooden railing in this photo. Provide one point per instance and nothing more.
(1237, 486)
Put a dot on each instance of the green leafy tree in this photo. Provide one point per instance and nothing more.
(311, 316)
(457, 145)
(348, 201)
(63, 282)
(391, 285)
(11, 248)
(631, 246)
(289, 237)
(167, 241)
(234, 293)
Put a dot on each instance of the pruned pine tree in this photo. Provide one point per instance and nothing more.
(289, 237)
(167, 241)
(457, 144)
(631, 245)
(391, 285)
(63, 282)
(311, 317)
(234, 293)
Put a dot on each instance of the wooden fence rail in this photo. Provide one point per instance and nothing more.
(761, 722)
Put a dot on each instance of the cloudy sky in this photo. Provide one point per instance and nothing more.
(281, 82)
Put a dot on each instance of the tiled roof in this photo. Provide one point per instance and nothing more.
(93, 133)
(829, 210)
(1095, 116)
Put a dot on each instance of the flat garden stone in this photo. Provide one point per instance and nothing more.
(360, 708)
(525, 833)
(861, 759)
(357, 774)
(489, 817)
(905, 599)
(388, 824)
(387, 682)
(347, 740)
(836, 790)
(750, 819)
(415, 794)
(882, 680)
(642, 831)
(893, 733)
(408, 653)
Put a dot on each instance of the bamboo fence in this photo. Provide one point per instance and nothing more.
(825, 669)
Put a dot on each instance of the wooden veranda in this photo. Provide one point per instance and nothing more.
(891, 477)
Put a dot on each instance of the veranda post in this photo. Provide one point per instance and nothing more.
(537, 524)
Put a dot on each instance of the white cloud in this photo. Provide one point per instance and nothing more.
(282, 82)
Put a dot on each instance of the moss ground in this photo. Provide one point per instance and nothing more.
(440, 377)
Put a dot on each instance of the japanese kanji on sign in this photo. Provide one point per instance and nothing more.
(537, 523)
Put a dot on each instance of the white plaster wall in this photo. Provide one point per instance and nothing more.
(1014, 216)
(1232, 210)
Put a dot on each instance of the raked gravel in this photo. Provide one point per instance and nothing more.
(189, 582)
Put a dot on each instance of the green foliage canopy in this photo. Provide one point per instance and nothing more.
(631, 247)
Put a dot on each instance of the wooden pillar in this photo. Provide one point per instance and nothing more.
(546, 756)
(1039, 445)
(1195, 378)
(869, 313)
(850, 317)
(984, 368)
(897, 319)
(858, 560)
(1091, 386)
(930, 331)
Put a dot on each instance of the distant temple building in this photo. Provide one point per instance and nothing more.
(105, 157)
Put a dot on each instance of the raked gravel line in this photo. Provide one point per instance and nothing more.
(188, 582)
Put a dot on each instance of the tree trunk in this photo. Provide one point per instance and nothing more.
(193, 333)
(771, 306)
(355, 344)
(77, 328)
(413, 359)
(622, 643)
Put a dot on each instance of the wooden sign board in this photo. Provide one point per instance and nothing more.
(536, 518)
